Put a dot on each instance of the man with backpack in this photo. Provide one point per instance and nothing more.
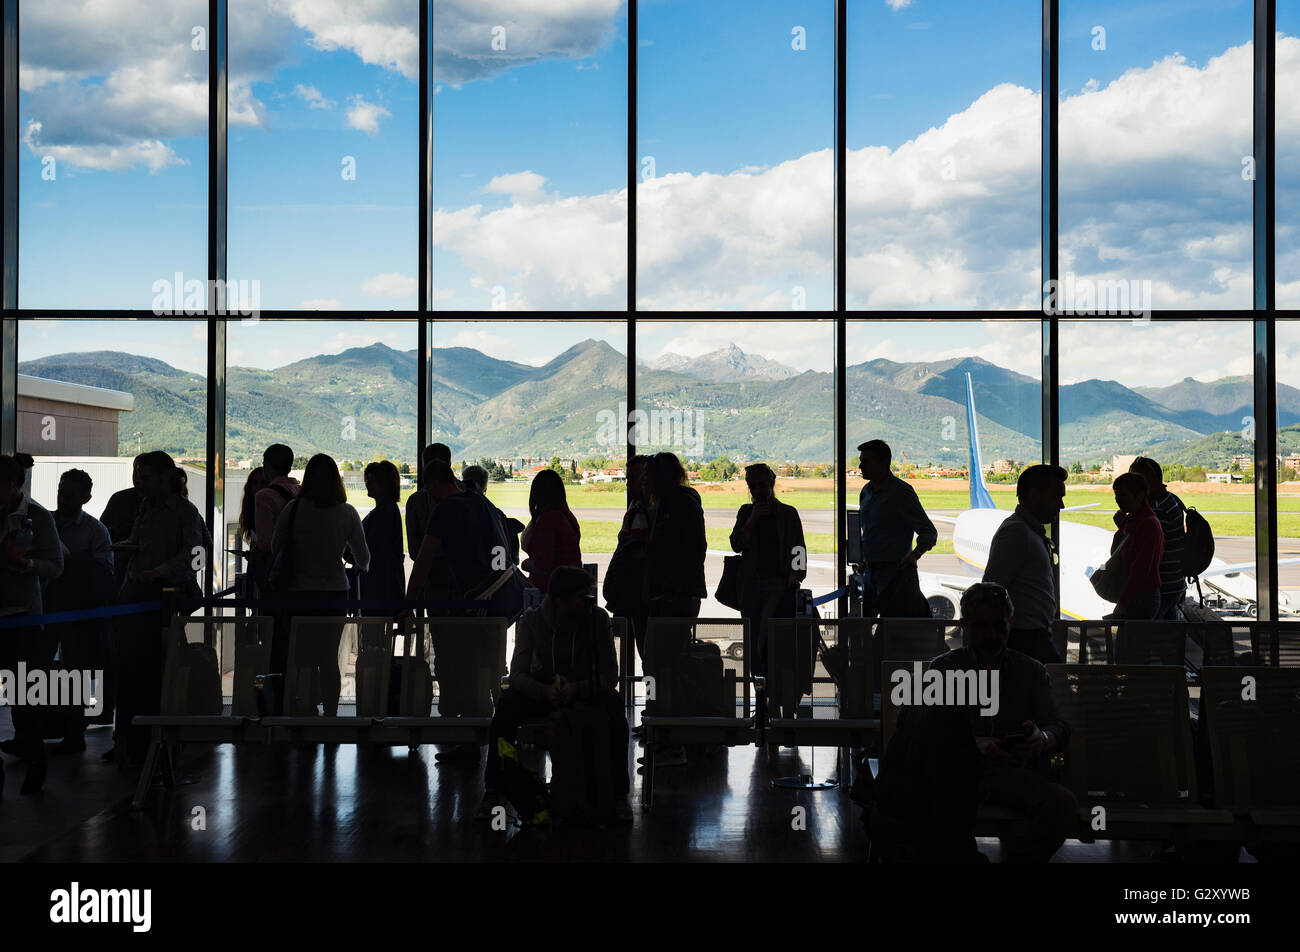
(1171, 512)
(277, 460)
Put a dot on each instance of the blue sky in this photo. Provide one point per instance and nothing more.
(530, 164)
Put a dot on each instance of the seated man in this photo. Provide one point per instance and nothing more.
(1013, 746)
(564, 655)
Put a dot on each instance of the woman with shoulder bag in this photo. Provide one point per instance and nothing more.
(769, 537)
(312, 533)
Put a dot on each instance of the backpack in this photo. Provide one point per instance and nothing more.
(1198, 545)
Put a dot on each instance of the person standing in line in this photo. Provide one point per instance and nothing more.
(1171, 512)
(386, 578)
(676, 549)
(624, 585)
(161, 548)
(30, 556)
(890, 514)
(86, 582)
(319, 525)
(1138, 533)
(769, 536)
(552, 537)
(1022, 560)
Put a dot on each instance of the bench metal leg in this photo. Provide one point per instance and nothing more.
(147, 772)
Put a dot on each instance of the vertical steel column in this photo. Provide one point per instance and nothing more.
(841, 300)
(1265, 305)
(215, 476)
(9, 231)
(632, 164)
(1051, 221)
(424, 345)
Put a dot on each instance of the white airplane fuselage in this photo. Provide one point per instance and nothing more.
(1082, 549)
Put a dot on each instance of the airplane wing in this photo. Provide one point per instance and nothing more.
(1235, 568)
(957, 583)
(1090, 505)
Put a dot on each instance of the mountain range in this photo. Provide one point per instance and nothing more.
(362, 402)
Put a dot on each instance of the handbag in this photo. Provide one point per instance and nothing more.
(728, 592)
(1108, 581)
(282, 565)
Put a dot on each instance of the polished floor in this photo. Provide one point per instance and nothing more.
(315, 803)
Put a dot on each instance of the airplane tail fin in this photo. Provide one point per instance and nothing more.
(979, 494)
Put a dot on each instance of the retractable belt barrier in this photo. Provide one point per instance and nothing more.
(80, 614)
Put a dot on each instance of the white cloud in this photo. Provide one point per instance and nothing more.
(898, 4)
(393, 285)
(312, 97)
(524, 188)
(108, 85)
(365, 115)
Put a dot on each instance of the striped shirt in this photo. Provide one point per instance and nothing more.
(1169, 509)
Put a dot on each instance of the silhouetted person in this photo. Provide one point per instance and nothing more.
(461, 529)
(675, 551)
(1022, 557)
(1016, 774)
(624, 585)
(475, 479)
(552, 536)
(945, 760)
(564, 656)
(269, 503)
(118, 518)
(319, 525)
(1171, 512)
(386, 579)
(419, 507)
(774, 560)
(890, 514)
(30, 555)
(119, 515)
(160, 549)
(86, 583)
(255, 483)
(1142, 540)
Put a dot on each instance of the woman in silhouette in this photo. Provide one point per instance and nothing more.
(552, 535)
(316, 528)
(769, 537)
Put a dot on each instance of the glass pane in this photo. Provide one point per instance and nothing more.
(907, 390)
(1288, 463)
(1156, 141)
(324, 153)
(94, 394)
(945, 147)
(530, 163)
(1288, 155)
(113, 176)
(735, 201)
(720, 400)
(1181, 394)
(340, 388)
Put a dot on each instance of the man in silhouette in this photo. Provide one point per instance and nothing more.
(1022, 560)
(277, 461)
(419, 507)
(564, 655)
(947, 759)
(1171, 512)
(890, 514)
